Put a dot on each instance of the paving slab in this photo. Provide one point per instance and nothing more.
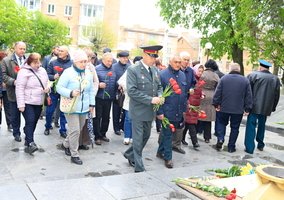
(16, 192)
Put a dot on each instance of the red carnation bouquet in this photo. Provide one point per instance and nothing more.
(201, 113)
(57, 70)
(166, 123)
(108, 75)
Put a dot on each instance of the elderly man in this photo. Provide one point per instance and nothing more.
(232, 99)
(117, 112)
(144, 89)
(63, 62)
(104, 98)
(172, 109)
(265, 92)
(10, 67)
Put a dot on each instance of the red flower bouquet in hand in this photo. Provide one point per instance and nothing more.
(166, 123)
(58, 70)
(109, 74)
(175, 86)
(16, 69)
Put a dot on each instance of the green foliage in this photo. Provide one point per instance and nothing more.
(101, 36)
(37, 30)
(14, 23)
(47, 33)
(232, 25)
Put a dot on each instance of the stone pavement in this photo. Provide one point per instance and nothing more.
(105, 174)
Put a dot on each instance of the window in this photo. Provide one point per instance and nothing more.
(92, 10)
(68, 10)
(51, 9)
(30, 4)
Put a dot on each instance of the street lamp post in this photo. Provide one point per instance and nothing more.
(208, 47)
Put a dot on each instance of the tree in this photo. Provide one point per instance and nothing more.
(231, 26)
(47, 33)
(14, 23)
(100, 35)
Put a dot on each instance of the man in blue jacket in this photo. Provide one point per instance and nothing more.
(63, 61)
(173, 109)
(232, 99)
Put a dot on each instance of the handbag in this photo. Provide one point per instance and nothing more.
(47, 99)
(68, 105)
(120, 98)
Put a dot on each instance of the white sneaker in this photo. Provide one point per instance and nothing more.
(131, 140)
(126, 141)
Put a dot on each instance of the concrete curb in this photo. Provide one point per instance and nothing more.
(269, 128)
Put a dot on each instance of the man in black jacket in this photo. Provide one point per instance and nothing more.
(266, 93)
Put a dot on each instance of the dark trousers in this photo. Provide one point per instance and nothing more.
(235, 121)
(165, 143)
(217, 122)
(141, 131)
(49, 113)
(101, 121)
(192, 132)
(206, 127)
(15, 119)
(158, 124)
(31, 115)
(7, 110)
(118, 116)
(253, 121)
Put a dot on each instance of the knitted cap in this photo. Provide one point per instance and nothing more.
(79, 55)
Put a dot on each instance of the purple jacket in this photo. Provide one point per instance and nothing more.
(28, 87)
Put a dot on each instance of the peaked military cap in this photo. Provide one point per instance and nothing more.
(123, 54)
(152, 50)
(264, 63)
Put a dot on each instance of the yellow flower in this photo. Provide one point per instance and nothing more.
(246, 170)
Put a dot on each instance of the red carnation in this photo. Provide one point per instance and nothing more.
(178, 91)
(202, 114)
(172, 81)
(16, 69)
(57, 68)
(109, 74)
(175, 87)
(201, 83)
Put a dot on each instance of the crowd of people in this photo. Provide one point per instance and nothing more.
(79, 91)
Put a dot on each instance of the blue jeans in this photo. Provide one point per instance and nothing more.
(49, 112)
(31, 115)
(165, 144)
(235, 121)
(15, 118)
(254, 120)
(127, 125)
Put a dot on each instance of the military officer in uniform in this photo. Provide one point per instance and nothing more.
(144, 90)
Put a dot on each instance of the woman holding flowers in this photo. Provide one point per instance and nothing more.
(77, 82)
(193, 112)
(172, 110)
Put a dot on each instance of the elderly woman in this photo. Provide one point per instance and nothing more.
(76, 82)
(211, 80)
(31, 85)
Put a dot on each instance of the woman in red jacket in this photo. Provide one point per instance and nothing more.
(191, 115)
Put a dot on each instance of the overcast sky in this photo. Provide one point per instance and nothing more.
(143, 12)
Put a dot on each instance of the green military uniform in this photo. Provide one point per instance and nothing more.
(142, 86)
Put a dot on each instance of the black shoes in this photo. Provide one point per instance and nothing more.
(219, 145)
(184, 142)
(98, 142)
(31, 148)
(231, 150)
(117, 133)
(63, 134)
(105, 139)
(179, 150)
(67, 150)
(56, 124)
(196, 145)
(131, 163)
(83, 147)
(46, 132)
(260, 148)
(169, 164)
(76, 160)
(18, 138)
